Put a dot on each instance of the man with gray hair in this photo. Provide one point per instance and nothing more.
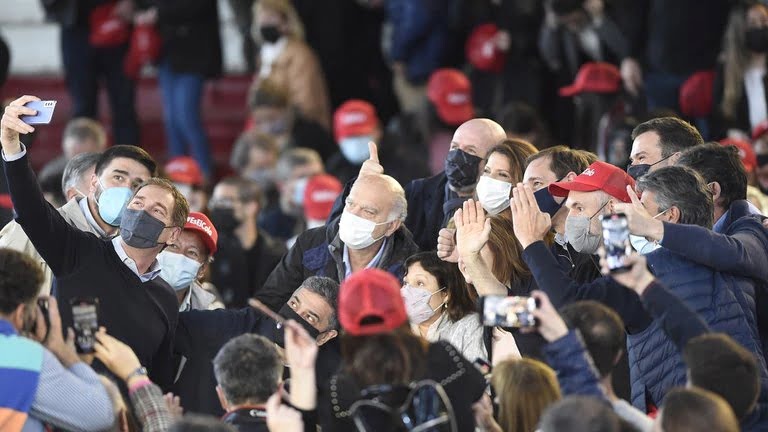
(201, 333)
(369, 233)
(77, 175)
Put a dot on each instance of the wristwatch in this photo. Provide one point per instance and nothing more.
(140, 371)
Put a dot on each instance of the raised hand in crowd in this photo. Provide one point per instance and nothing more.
(632, 75)
(530, 223)
(641, 222)
(372, 165)
(173, 403)
(53, 339)
(281, 417)
(446, 245)
(118, 357)
(11, 124)
(638, 278)
(301, 354)
(549, 323)
(472, 232)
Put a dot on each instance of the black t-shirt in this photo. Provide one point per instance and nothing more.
(445, 365)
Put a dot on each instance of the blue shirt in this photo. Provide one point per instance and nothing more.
(373, 263)
(153, 272)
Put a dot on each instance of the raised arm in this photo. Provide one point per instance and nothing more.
(52, 236)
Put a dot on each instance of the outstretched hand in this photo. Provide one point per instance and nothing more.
(641, 223)
(11, 124)
(281, 417)
(472, 228)
(300, 348)
(371, 165)
(529, 222)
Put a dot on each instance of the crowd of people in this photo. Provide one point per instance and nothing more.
(440, 266)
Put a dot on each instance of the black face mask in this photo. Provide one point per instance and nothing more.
(546, 201)
(139, 229)
(756, 39)
(637, 171)
(290, 314)
(270, 33)
(224, 219)
(462, 169)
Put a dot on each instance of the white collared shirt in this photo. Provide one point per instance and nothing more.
(373, 263)
(154, 270)
(186, 304)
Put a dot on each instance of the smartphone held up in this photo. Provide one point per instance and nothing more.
(85, 317)
(515, 312)
(616, 241)
(44, 112)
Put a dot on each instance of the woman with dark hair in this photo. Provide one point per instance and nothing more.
(380, 354)
(504, 168)
(740, 86)
(439, 305)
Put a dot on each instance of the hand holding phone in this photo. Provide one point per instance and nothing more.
(44, 112)
(42, 304)
(86, 323)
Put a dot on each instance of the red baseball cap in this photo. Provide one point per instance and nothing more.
(760, 130)
(695, 96)
(184, 170)
(370, 303)
(594, 77)
(200, 223)
(598, 176)
(353, 118)
(319, 195)
(746, 152)
(451, 93)
(481, 49)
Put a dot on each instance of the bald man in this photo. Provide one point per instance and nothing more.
(368, 233)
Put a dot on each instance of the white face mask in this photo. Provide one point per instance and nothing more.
(355, 148)
(493, 194)
(356, 232)
(641, 244)
(417, 303)
(178, 270)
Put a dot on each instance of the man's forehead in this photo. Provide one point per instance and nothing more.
(191, 238)
(540, 167)
(646, 142)
(312, 300)
(132, 166)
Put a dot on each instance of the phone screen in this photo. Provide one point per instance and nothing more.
(508, 311)
(616, 241)
(86, 323)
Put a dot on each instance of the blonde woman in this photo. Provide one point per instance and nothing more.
(287, 60)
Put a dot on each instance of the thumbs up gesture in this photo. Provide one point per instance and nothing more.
(371, 165)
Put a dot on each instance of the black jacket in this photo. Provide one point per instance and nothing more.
(306, 133)
(190, 33)
(238, 273)
(318, 252)
(143, 315)
(719, 122)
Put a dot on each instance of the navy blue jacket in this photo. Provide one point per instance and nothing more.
(656, 366)
(419, 33)
(575, 370)
(318, 252)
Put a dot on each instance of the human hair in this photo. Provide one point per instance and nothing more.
(399, 209)
(397, 357)
(461, 301)
(126, 151)
(248, 369)
(580, 413)
(247, 189)
(328, 289)
(675, 135)
(84, 128)
(681, 187)
(736, 57)
(180, 210)
(563, 160)
(293, 158)
(268, 94)
(200, 423)
(517, 152)
(719, 164)
(717, 363)
(526, 387)
(284, 8)
(564, 7)
(50, 180)
(76, 168)
(695, 410)
(247, 141)
(508, 264)
(602, 331)
(519, 118)
(20, 280)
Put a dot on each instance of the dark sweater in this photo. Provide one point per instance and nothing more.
(141, 314)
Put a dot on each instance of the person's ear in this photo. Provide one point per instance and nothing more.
(609, 206)
(714, 187)
(674, 158)
(222, 399)
(175, 234)
(326, 336)
(94, 184)
(251, 208)
(71, 193)
(673, 215)
(17, 316)
(394, 226)
(203, 269)
(569, 177)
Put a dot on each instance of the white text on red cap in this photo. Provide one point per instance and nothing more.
(200, 223)
(356, 117)
(457, 98)
(589, 172)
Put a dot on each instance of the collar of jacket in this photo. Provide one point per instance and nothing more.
(399, 242)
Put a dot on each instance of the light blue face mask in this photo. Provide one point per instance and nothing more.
(298, 191)
(178, 270)
(355, 148)
(641, 244)
(112, 202)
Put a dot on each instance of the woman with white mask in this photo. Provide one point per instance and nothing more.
(504, 168)
(440, 306)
